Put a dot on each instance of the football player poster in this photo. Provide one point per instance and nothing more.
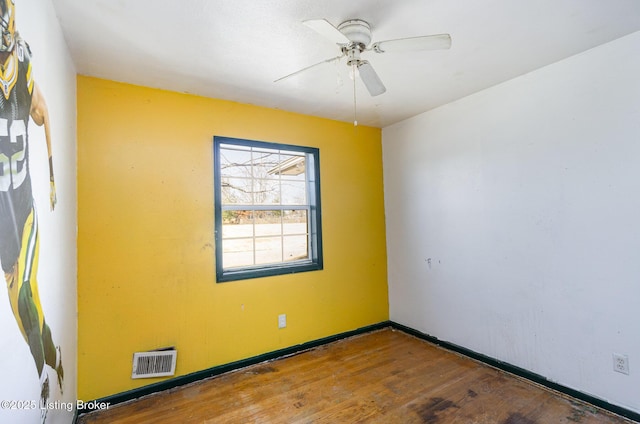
(22, 102)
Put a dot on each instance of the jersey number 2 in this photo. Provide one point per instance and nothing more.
(13, 170)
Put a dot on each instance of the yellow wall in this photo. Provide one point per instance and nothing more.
(145, 235)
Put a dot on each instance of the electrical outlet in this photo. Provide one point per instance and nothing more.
(621, 363)
(282, 320)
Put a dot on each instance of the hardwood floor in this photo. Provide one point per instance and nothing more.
(385, 376)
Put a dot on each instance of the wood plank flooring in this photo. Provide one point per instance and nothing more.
(385, 376)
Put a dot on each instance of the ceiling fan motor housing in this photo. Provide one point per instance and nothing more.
(358, 31)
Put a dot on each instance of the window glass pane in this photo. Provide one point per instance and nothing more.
(295, 248)
(237, 252)
(236, 191)
(294, 222)
(237, 224)
(294, 193)
(268, 223)
(263, 162)
(268, 250)
(266, 192)
(292, 166)
(235, 163)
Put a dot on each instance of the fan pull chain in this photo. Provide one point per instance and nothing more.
(355, 109)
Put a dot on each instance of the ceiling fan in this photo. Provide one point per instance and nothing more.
(353, 37)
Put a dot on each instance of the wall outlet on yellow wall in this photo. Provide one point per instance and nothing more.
(282, 320)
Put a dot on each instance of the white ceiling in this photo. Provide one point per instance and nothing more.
(235, 49)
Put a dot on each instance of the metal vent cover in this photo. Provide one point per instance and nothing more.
(159, 363)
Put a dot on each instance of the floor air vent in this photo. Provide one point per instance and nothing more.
(158, 363)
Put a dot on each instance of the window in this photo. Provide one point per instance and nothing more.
(267, 209)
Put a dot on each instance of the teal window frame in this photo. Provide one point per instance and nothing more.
(314, 261)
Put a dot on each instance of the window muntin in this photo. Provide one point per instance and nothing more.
(267, 206)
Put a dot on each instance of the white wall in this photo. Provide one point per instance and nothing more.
(513, 221)
(54, 72)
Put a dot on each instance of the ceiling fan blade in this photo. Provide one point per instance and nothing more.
(328, 31)
(370, 79)
(309, 67)
(425, 42)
